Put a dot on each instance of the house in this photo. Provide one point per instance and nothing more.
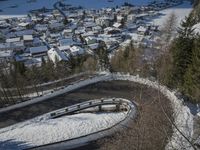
(6, 55)
(112, 30)
(120, 18)
(131, 18)
(23, 24)
(38, 51)
(28, 40)
(89, 25)
(67, 32)
(97, 29)
(12, 40)
(56, 55)
(23, 57)
(90, 40)
(103, 21)
(117, 25)
(41, 27)
(94, 46)
(65, 49)
(24, 32)
(33, 62)
(80, 30)
(15, 46)
(76, 50)
(136, 38)
(142, 30)
(66, 41)
(56, 26)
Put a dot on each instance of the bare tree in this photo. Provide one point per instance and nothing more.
(168, 30)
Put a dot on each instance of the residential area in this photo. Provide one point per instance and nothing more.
(66, 31)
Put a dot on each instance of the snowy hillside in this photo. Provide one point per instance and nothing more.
(40, 131)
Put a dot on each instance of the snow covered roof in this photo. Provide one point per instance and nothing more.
(7, 53)
(136, 37)
(27, 37)
(33, 61)
(66, 41)
(67, 31)
(56, 54)
(39, 49)
(141, 29)
(24, 32)
(63, 48)
(24, 24)
(117, 25)
(13, 40)
(75, 50)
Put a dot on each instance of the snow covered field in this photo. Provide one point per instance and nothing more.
(180, 11)
(40, 130)
(23, 7)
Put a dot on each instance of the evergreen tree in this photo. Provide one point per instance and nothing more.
(182, 53)
(192, 77)
(102, 53)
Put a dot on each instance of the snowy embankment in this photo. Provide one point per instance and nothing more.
(49, 130)
(41, 131)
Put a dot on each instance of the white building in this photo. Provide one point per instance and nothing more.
(75, 50)
(56, 55)
(6, 55)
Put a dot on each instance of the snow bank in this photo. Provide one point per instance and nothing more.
(40, 131)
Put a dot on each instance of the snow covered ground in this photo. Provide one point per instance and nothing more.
(180, 11)
(23, 7)
(41, 130)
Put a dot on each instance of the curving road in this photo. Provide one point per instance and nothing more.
(92, 106)
(112, 85)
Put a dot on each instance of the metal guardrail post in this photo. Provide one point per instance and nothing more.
(118, 105)
(100, 107)
(53, 114)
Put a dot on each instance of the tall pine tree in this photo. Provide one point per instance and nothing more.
(192, 76)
